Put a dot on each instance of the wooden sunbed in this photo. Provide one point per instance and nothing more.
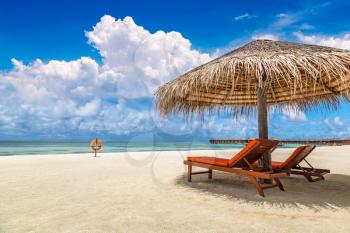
(292, 164)
(241, 164)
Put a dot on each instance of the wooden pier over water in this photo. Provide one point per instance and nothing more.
(329, 142)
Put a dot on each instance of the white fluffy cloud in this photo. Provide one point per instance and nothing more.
(338, 121)
(82, 96)
(284, 20)
(293, 114)
(138, 60)
(342, 42)
(265, 37)
(337, 127)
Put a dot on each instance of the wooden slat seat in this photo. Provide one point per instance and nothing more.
(210, 160)
(241, 164)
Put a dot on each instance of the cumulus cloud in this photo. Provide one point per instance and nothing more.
(338, 121)
(138, 60)
(42, 96)
(267, 36)
(284, 20)
(293, 114)
(81, 96)
(336, 127)
(342, 42)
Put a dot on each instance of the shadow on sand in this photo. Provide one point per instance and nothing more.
(330, 193)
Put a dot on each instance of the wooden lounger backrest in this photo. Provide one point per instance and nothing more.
(299, 154)
(254, 150)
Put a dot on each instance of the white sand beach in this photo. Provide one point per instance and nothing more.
(148, 192)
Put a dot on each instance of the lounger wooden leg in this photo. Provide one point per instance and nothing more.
(189, 173)
(278, 182)
(210, 174)
(310, 179)
(257, 185)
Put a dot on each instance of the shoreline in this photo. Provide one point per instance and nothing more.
(115, 153)
(225, 148)
(26, 148)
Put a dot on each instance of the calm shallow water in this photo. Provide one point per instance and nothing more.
(43, 147)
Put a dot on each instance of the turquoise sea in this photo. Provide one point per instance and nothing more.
(44, 147)
(8, 148)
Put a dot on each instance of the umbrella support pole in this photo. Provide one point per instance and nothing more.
(265, 161)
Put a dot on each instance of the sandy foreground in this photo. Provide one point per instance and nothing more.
(147, 192)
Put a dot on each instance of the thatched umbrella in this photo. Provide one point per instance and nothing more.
(258, 76)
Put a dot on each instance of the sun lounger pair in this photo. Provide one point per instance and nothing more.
(245, 163)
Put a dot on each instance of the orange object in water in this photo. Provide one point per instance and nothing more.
(96, 145)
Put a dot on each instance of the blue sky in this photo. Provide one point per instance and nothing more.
(68, 73)
(55, 29)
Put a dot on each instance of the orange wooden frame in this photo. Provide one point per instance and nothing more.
(252, 175)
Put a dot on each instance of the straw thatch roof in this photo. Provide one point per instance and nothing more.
(292, 74)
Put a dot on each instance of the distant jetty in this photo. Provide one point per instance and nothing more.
(329, 142)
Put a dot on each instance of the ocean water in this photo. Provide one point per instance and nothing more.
(8, 148)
